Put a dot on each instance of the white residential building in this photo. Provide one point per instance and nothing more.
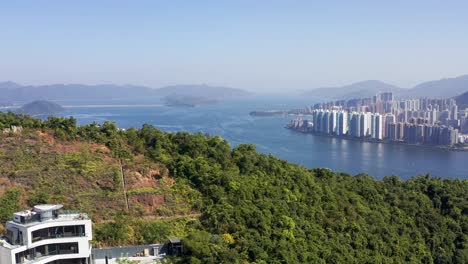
(377, 126)
(43, 235)
(342, 123)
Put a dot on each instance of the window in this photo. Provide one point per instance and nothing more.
(58, 232)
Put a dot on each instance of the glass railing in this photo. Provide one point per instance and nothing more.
(76, 214)
(35, 255)
(39, 257)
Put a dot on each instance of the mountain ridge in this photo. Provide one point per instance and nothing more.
(442, 88)
(11, 91)
(360, 89)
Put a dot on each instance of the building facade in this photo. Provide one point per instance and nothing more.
(47, 235)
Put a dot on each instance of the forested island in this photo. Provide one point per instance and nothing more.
(41, 107)
(229, 205)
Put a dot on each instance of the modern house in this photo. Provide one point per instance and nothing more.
(47, 234)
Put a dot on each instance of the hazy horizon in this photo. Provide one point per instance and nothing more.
(272, 46)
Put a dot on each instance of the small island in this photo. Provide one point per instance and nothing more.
(41, 107)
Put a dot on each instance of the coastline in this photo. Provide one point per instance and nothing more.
(370, 140)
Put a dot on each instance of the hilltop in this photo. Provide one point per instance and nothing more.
(230, 205)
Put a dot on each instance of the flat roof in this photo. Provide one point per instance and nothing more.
(61, 218)
(47, 207)
(175, 240)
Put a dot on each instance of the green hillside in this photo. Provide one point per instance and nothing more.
(229, 205)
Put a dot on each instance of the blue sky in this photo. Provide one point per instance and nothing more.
(256, 45)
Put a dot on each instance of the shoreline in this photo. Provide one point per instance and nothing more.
(442, 147)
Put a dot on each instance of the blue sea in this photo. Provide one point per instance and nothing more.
(231, 120)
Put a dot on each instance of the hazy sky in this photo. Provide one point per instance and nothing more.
(252, 44)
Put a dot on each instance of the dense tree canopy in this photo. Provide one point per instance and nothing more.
(258, 208)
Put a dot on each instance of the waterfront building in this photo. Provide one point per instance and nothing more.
(342, 125)
(323, 122)
(391, 131)
(428, 135)
(390, 118)
(357, 122)
(332, 122)
(377, 126)
(419, 134)
(413, 121)
(363, 125)
(366, 123)
(444, 136)
(453, 112)
(355, 125)
(400, 131)
(453, 136)
(444, 116)
(316, 121)
(433, 117)
(410, 133)
(45, 235)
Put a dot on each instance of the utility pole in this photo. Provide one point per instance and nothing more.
(124, 185)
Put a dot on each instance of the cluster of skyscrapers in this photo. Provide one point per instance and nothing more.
(415, 121)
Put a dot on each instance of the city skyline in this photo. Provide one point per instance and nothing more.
(259, 46)
(422, 121)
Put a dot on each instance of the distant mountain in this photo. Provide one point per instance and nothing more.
(462, 100)
(440, 89)
(15, 92)
(201, 91)
(9, 85)
(10, 91)
(444, 88)
(356, 90)
(41, 108)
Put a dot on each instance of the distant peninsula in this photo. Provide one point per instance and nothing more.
(181, 100)
(41, 107)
